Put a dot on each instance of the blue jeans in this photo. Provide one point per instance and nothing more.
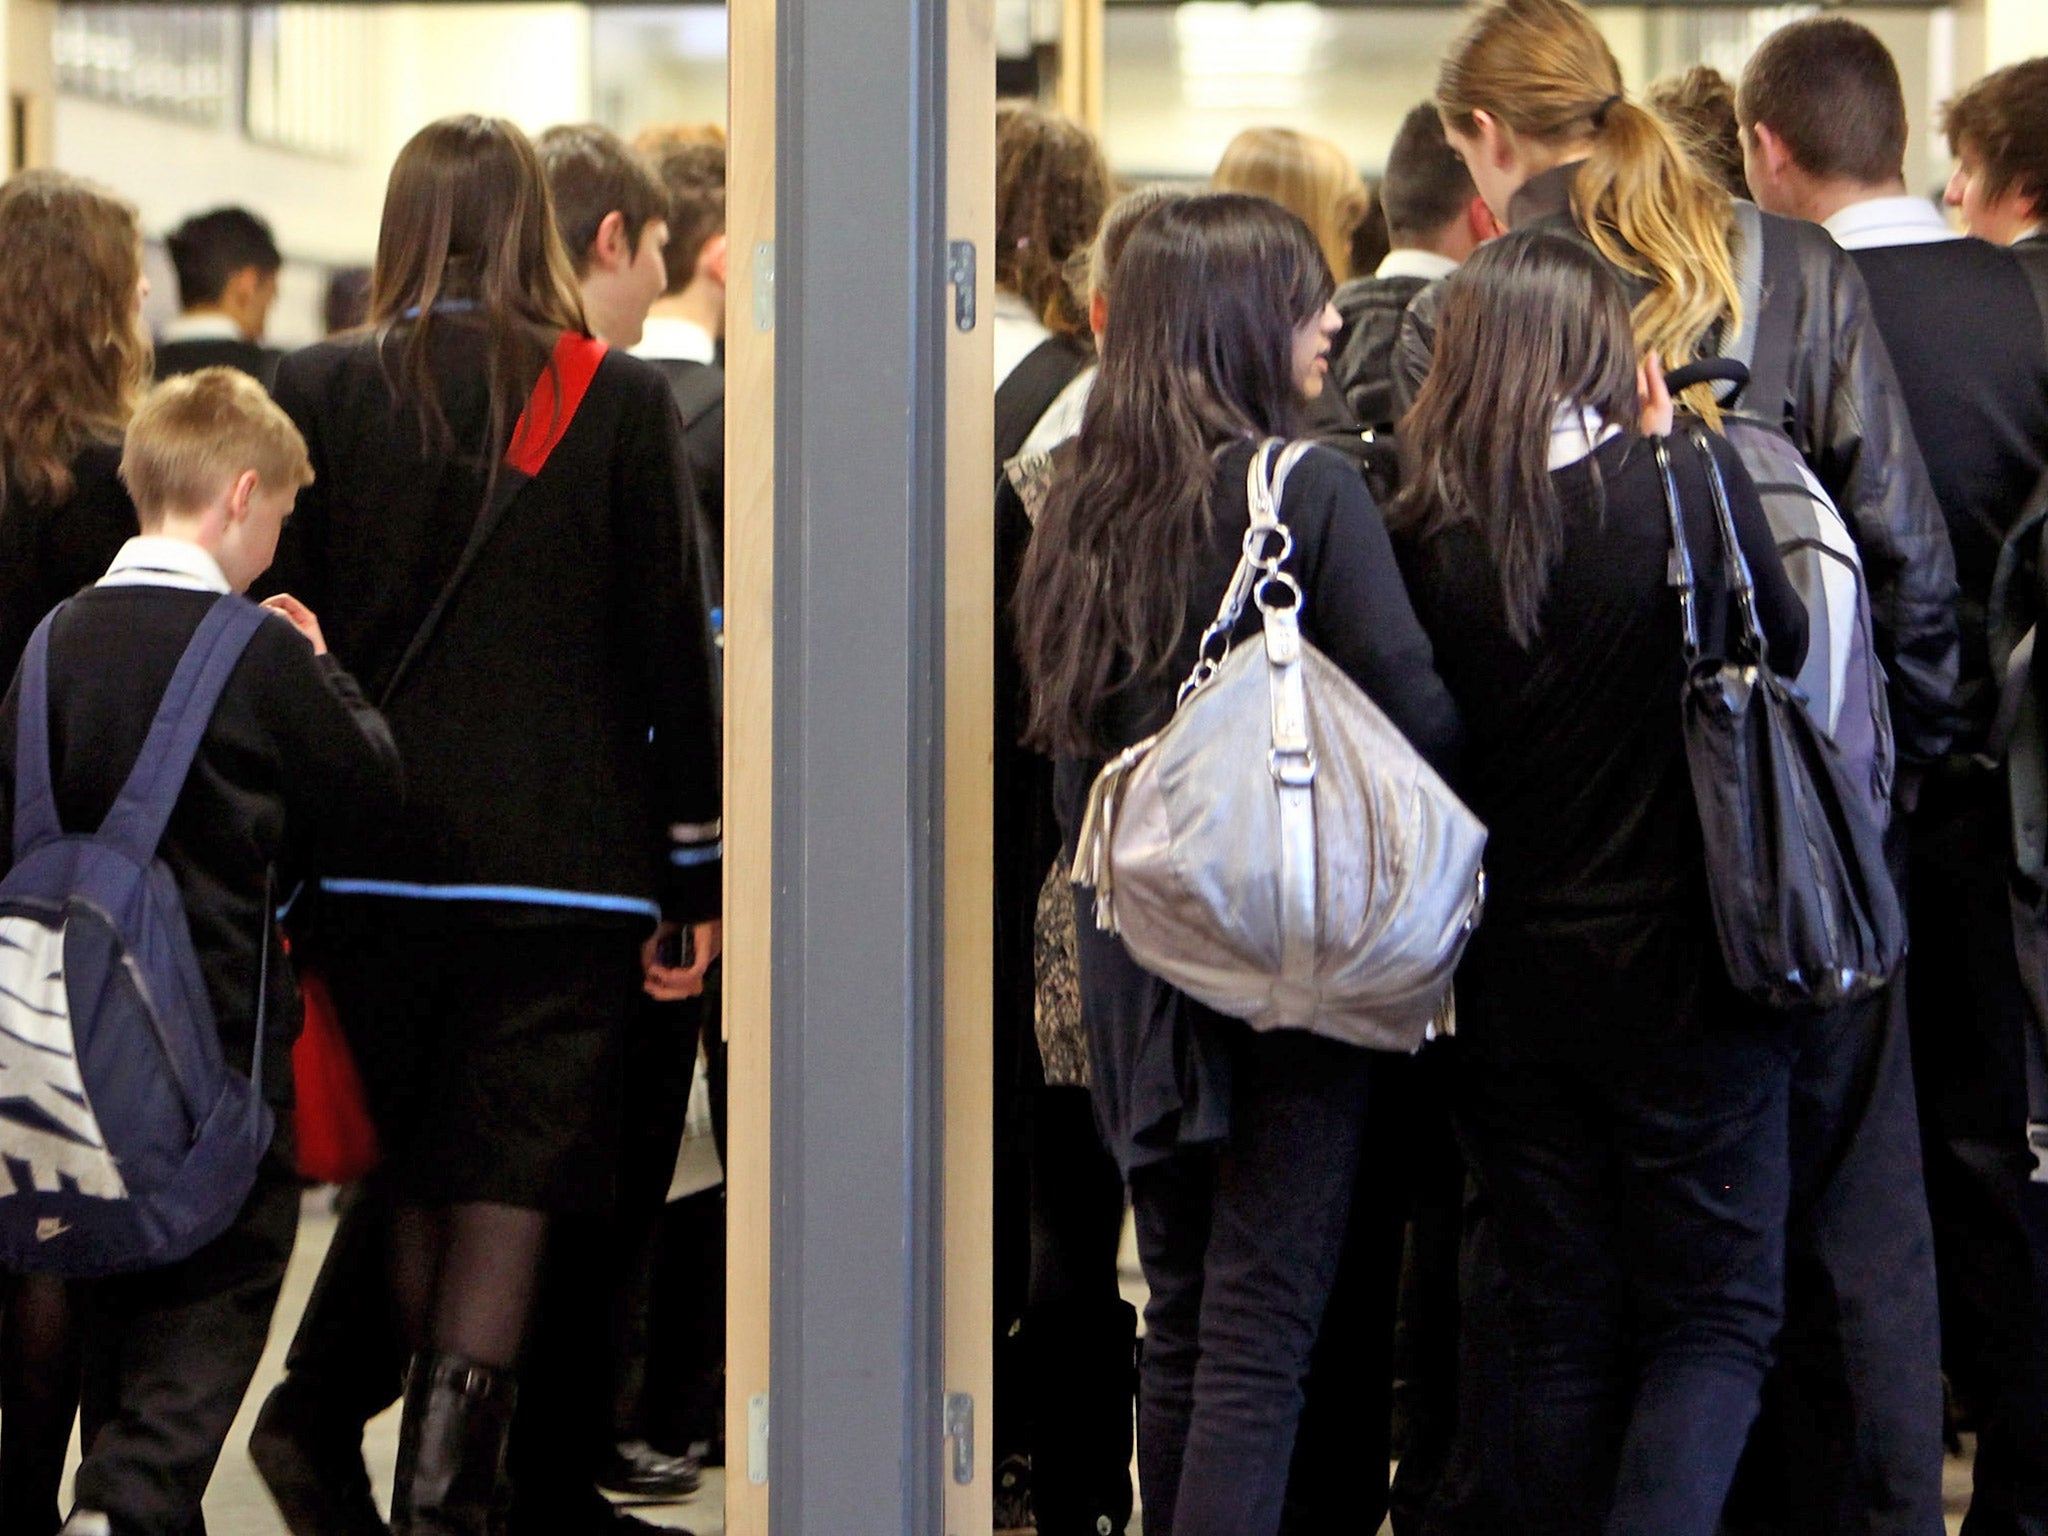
(1240, 1243)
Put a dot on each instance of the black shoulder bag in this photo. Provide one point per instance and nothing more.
(1803, 904)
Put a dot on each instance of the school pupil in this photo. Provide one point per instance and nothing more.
(293, 767)
(685, 332)
(1998, 132)
(70, 270)
(1435, 219)
(1534, 102)
(227, 263)
(613, 220)
(1824, 120)
(1624, 1111)
(1241, 1148)
(525, 597)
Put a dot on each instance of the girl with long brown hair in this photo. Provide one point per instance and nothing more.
(1532, 98)
(1052, 188)
(1241, 1149)
(1624, 1111)
(74, 360)
(508, 567)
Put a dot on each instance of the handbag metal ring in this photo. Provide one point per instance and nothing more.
(1254, 545)
(1278, 579)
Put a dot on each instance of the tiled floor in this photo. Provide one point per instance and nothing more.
(237, 1505)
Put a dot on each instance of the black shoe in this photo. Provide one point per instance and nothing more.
(313, 1467)
(637, 1470)
(451, 1448)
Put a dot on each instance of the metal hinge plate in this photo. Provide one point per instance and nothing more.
(960, 1430)
(757, 1439)
(960, 273)
(764, 285)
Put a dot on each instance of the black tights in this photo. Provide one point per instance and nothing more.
(38, 1401)
(464, 1277)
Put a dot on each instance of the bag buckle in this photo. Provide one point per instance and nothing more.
(1292, 767)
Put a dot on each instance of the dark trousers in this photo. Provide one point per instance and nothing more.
(1629, 1278)
(1383, 1379)
(1849, 1441)
(1079, 1334)
(1971, 1025)
(1241, 1244)
(590, 1330)
(167, 1357)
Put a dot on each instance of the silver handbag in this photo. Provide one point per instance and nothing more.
(1279, 851)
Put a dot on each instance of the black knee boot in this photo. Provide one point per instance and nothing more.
(451, 1448)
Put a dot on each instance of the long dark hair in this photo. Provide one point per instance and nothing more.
(469, 238)
(1199, 352)
(1533, 324)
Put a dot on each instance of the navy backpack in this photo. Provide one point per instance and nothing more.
(126, 1142)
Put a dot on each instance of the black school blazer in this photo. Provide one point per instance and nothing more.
(560, 746)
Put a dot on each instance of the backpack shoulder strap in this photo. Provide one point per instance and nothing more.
(35, 798)
(136, 823)
(557, 396)
(1029, 391)
(1749, 282)
(1768, 395)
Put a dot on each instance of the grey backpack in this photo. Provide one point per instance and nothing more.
(1842, 682)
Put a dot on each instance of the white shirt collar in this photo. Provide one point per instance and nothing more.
(1410, 262)
(203, 328)
(1018, 333)
(151, 560)
(671, 337)
(1574, 434)
(1881, 221)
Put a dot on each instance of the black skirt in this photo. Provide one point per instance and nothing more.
(490, 1057)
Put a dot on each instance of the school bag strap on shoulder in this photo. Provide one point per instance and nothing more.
(551, 408)
(1279, 851)
(126, 1141)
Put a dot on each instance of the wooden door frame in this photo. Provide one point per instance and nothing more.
(859, 525)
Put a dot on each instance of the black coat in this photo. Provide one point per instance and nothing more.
(49, 550)
(259, 362)
(699, 389)
(1849, 420)
(1962, 321)
(558, 730)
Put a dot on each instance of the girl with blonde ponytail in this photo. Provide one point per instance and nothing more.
(1533, 101)
(1532, 88)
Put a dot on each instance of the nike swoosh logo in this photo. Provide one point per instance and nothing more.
(51, 1227)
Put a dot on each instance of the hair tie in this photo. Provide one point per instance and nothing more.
(1600, 112)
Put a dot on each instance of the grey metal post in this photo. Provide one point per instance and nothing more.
(859, 667)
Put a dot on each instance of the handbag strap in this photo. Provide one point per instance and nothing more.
(1291, 759)
(1265, 485)
(1741, 582)
(1680, 571)
(1739, 576)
